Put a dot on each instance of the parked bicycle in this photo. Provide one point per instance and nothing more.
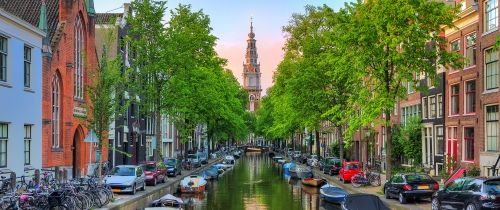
(366, 178)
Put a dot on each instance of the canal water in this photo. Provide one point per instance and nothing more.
(255, 183)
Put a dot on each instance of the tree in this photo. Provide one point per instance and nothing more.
(150, 64)
(392, 42)
(106, 83)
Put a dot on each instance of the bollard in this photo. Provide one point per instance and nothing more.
(13, 181)
(36, 179)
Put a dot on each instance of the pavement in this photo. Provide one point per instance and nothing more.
(391, 203)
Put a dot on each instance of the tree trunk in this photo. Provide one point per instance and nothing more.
(99, 169)
(318, 145)
(388, 152)
(159, 155)
(341, 143)
(310, 143)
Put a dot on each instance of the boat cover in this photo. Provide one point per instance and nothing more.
(364, 202)
(333, 191)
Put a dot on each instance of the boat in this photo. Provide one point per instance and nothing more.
(332, 194)
(313, 182)
(211, 173)
(286, 168)
(363, 201)
(228, 159)
(168, 201)
(253, 149)
(193, 184)
(300, 172)
(277, 158)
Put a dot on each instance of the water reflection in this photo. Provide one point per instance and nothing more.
(256, 183)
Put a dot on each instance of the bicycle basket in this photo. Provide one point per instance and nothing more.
(56, 198)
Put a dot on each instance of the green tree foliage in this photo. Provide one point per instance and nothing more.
(407, 141)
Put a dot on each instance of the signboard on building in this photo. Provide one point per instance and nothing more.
(79, 111)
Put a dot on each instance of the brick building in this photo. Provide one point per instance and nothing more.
(69, 55)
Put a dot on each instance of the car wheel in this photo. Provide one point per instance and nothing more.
(386, 193)
(144, 186)
(435, 204)
(134, 190)
(471, 206)
(402, 199)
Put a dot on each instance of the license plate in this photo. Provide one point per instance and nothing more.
(423, 187)
(116, 190)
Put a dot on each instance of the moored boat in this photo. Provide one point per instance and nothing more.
(314, 182)
(168, 201)
(332, 194)
(300, 172)
(193, 184)
(211, 173)
(286, 168)
(229, 160)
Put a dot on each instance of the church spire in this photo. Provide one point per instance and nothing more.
(251, 71)
(42, 25)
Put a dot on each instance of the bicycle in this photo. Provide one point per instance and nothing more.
(366, 178)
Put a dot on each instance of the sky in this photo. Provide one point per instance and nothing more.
(230, 20)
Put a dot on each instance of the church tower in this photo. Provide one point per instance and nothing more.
(251, 72)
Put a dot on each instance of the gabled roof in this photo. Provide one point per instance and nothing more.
(29, 10)
(106, 18)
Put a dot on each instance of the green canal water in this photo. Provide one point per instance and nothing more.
(255, 183)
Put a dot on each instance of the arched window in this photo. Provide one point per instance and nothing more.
(252, 103)
(56, 111)
(79, 45)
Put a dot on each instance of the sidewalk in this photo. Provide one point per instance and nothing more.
(391, 203)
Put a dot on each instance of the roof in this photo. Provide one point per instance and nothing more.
(29, 10)
(106, 18)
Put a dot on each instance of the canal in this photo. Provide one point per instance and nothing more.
(255, 183)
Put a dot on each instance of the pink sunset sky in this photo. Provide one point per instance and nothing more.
(230, 20)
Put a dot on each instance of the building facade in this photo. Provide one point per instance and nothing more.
(251, 72)
(21, 93)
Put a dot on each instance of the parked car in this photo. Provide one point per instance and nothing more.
(173, 166)
(312, 160)
(203, 157)
(348, 170)
(195, 160)
(126, 178)
(469, 193)
(330, 165)
(410, 185)
(155, 172)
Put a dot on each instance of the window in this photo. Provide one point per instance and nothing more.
(454, 96)
(455, 45)
(410, 88)
(384, 137)
(79, 51)
(440, 105)
(469, 144)
(56, 104)
(27, 144)
(491, 15)
(492, 128)
(470, 50)
(428, 147)
(409, 111)
(439, 140)
(425, 107)
(491, 68)
(456, 185)
(4, 137)
(432, 107)
(27, 66)
(470, 96)
(3, 59)
(119, 139)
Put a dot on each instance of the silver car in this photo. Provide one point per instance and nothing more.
(126, 179)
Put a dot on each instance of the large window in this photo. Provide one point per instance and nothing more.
(4, 137)
(491, 69)
(432, 107)
(409, 111)
(3, 59)
(428, 147)
(56, 111)
(439, 140)
(451, 144)
(490, 15)
(27, 144)
(470, 50)
(425, 109)
(469, 144)
(470, 96)
(455, 99)
(27, 66)
(440, 105)
(492, 128)
(79, 56)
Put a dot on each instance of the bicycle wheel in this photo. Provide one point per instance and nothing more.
(375, 180)
(355, 181)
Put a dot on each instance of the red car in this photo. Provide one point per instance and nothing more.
(348, 170)
(155, 172)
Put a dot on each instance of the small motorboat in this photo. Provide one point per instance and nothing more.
(363, 201)
(229, 160)
(313, 182)
(277, 158)
(168, 201)
(193, 184)
(286, 168)
(211, 173)
(300, 172)
(332, 194)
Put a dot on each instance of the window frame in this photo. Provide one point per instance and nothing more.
(487, 19)
(467, 93)
(474, 48)
(443, 140)
(490, 62)
(466, 148)
(4, 55)
(27, 142)
(4, 142)
(56, 113)
(439, 104)
(457, 95)
(486, 127)
(79, 48)
(425, 108)
(27, 65)
(432, 107)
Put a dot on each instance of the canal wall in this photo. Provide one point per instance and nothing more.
(142, 199)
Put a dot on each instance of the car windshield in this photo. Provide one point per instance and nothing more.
(492, 186)
(123, 171)
(150, 167)
(192, 156)
(352, 166)
(170, 162)
(417, 177)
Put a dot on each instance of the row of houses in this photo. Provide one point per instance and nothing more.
(47, 50)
